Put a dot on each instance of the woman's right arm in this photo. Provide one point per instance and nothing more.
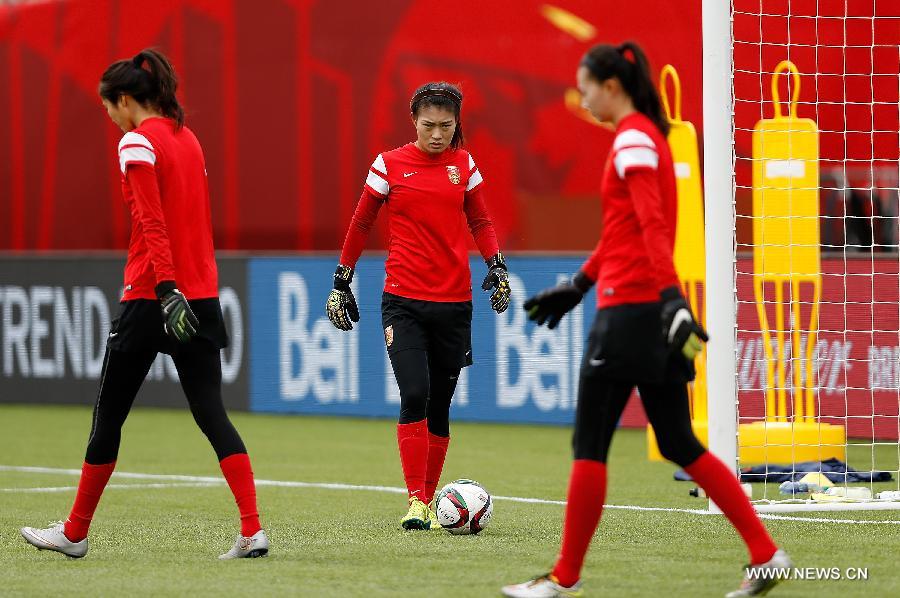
(137, 161)
(591, 266)
(374, 193)
(341, 305)
(590, 270)
(360, 226)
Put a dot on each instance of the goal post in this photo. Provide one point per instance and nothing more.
(718, 191)
(802, 227)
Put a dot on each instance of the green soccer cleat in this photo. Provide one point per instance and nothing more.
(432, 518)
(545, 586)
(418, 516)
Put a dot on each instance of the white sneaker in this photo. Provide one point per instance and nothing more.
(545, 586)
(765, 576)
(53, 538)
(248, 547)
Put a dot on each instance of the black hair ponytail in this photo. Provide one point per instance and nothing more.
(629, 65)
(149, 78)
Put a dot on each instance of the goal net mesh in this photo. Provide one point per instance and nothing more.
(816, 121)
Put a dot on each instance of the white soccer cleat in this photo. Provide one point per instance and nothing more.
(53, 538)
(759, 579)
(245, 547)
(545, 586)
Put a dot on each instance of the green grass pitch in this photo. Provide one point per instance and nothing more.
(332, 542)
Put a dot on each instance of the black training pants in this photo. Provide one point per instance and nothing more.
(626, 350)
(426, 389)
(200, 372)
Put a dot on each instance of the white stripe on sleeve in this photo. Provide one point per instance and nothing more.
(635, 157)
(379, 165)
(471, 163)
(474, 180)
(133, 154)
(134, 147)
(132, 138)
(630, 137)
(377, 184)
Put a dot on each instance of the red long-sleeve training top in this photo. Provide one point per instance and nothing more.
(165, 187)
(633, 260)
(430, 201)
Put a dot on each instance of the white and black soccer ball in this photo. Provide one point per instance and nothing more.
(464, 507)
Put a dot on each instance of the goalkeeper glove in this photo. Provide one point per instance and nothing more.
(550, 305)
(179, 322)
(680, 329)
(498, 279)
(341, 305)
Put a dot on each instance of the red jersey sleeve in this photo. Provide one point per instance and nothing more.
(480, 223)
(644, 189)
(375, 190)
(636, 161)
(591, 266)
(147, 209)
(360, 226)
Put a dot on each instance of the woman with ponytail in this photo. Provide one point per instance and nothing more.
(644, 334)
(170, 301)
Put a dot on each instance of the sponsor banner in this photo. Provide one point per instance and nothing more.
(523, 373)
(855, 358)
(55, 315)
(302, 364)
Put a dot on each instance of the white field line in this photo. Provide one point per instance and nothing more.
(51, 489)
(189, 480)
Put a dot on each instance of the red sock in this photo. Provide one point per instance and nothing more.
(412, 440)
(724, 489)
(587, 491)
(239, 475)
(90, 489)
(437, 451)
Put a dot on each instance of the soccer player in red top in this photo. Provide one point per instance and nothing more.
(644, 334)
(431, 189)
(170, 302)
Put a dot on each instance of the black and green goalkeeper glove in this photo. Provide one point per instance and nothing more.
(498, 279)
(179, 321)
(680, 329)
(341, 305)
(550, 305)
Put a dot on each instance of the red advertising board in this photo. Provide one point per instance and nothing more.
(856, 356)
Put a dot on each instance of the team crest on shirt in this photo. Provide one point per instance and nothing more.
(453, 174)
(389, 335)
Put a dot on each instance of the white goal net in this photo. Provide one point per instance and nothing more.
(815, 285)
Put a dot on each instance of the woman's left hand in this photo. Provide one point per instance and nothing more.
(498, 279)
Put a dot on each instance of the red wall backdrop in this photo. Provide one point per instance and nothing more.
(292, 100)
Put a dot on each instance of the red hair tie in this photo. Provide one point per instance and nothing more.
(628, 55)
(139, 61)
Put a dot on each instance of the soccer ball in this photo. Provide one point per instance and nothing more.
(463, 507)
